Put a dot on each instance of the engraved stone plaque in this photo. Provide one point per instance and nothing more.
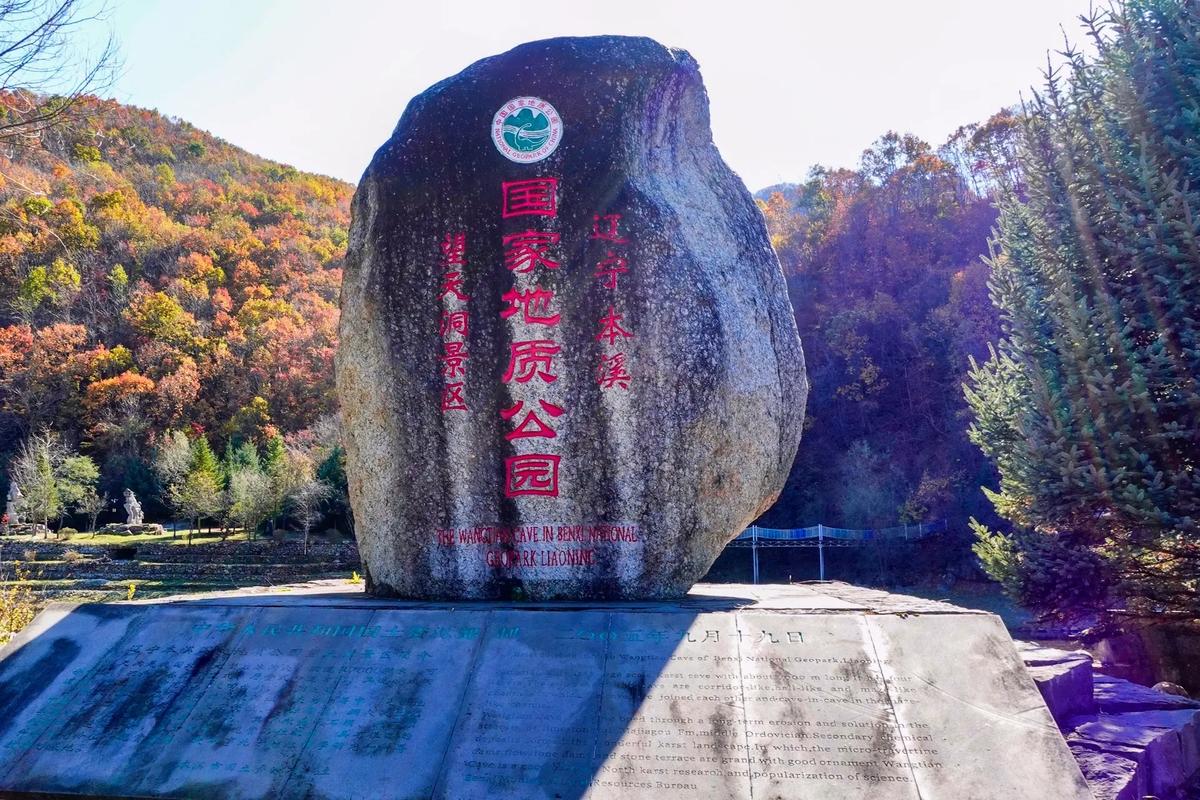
(732, 694)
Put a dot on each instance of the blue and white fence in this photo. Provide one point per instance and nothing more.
(822, 536)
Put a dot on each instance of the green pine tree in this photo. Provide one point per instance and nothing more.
(1090, 405)
(198, 494)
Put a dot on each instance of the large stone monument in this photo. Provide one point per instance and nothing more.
(568, 364)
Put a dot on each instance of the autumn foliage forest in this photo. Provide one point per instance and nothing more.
(883, 264)
(154, 278)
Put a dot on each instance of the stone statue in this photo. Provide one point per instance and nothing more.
(13, 509)
(639, 398)
(133, 509)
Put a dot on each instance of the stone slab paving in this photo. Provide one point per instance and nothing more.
(1131, 741)
(735, 692)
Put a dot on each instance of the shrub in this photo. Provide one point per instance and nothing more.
(17, 604)
(87, 154)
(36, 205)
(67, 532)
(30, 554)
(74, 557)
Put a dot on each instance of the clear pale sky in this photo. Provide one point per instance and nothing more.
(321, 83)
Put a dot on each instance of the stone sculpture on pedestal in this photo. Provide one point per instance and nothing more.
(13, 508)
(133, 509)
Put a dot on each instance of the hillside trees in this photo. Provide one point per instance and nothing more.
(197, 492)
(1090, 404)
(883, 266)
(154, 278)
(54, 480)
(41, 55)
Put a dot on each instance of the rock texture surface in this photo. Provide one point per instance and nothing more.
(1131, 741)
(576, 377)
(1065, 679)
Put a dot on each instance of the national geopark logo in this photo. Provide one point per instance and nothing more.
(526, 129)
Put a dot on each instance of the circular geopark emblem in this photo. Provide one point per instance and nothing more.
(526, 129)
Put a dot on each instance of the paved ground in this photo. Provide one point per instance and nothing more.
(815, 597)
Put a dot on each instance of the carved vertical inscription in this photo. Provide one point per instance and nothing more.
(672, 725)
(528, 723)
(818, 716)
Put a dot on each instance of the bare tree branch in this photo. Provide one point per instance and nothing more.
(44, 68)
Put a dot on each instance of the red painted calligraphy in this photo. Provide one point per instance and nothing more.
(531, 426)
(452, 397)
(610, 327)
(612, 372)
(531, 474)
(526, 250)
(454, 250)
(535, 197)
(452, 285)
(533, 305)
(454, 359)
(454, 322)
(609, 268)
(604, 226)
(532, 358)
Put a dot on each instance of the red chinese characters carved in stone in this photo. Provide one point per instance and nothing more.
(604, 226)
(452, 397)
(454, 250)
(532, 425)
(612, 372)
(609, 268)
(452, 285)
(532, 358)
(454, 322)
(535, 197)
(533, 304)
(531, 474)
(526, 250)
(454, 359)
(610, 327)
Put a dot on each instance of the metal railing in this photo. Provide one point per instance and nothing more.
(822, 536)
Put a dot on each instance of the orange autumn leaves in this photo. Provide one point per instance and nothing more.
(154, 277)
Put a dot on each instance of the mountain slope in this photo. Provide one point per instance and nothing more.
(153, 276)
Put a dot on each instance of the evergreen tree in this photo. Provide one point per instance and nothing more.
(198, 495)
(34, 470)
(282, 473)
(238, 456)
(1090, 405)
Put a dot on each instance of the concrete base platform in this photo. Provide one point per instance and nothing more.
(813, 691)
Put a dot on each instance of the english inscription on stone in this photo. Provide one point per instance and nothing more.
(418, 703)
